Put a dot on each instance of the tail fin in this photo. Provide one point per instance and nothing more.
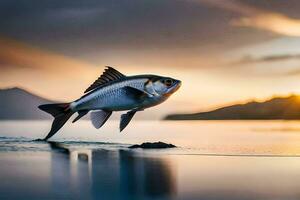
(61, 113)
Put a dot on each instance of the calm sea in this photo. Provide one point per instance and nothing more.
(214, 160)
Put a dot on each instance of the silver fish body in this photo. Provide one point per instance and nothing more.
(112, 97)
(113, 91)
(115, 97)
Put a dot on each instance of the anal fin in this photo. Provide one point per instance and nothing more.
(126, 118)
(99, 118)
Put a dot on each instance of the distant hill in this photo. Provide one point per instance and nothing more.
(275, 108)
(17, 103)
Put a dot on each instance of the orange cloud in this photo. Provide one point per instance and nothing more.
(21, 55)
(257, 18)
(42, 71)
(273, 22)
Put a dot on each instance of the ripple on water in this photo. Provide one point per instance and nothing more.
(12, 144)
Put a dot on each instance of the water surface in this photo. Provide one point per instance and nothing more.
(214, 160)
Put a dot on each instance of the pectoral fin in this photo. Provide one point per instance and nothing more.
(125, 119)
(136, 93)
(99, 118)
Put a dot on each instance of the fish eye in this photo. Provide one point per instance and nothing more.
(168, 82)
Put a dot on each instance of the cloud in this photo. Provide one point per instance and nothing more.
(273, 22)
(258, 18)
(269, 58)
(43, 71)
(295, 72)
(90, 30)
(21, 55)
(231, 5)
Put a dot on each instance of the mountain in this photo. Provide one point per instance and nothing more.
(17, 103)
(275, 108)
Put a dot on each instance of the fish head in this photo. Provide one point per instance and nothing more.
(165, 86)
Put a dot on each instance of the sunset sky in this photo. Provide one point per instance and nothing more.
(224, 51)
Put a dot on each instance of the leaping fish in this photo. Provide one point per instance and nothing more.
(113, 91)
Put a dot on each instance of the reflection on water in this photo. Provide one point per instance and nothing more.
(145, 176)
(103, 174)
(39, 170)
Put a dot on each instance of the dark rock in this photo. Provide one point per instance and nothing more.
(39, 140)
(152, 145)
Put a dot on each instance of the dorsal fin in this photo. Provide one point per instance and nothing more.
(109, 74)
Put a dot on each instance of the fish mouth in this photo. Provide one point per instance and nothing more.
(176, 85)
(179, 83)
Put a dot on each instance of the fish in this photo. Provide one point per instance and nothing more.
(112, 92)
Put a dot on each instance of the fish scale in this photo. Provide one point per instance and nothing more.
(106, 97)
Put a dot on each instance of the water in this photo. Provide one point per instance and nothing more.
(214, 160)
